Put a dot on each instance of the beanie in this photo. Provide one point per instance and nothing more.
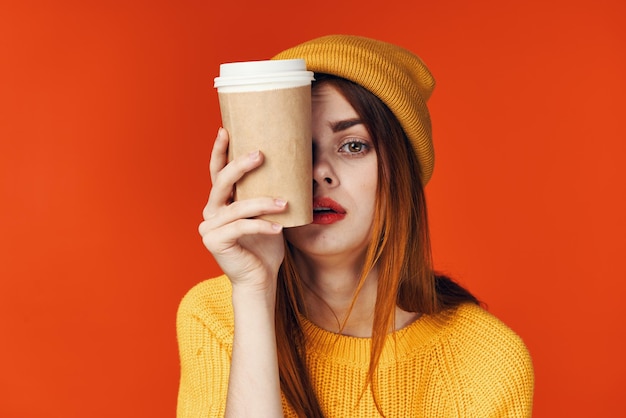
(395, 75)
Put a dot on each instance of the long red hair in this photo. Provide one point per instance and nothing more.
(399, 247)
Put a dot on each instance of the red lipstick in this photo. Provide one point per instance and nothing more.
(326, 211)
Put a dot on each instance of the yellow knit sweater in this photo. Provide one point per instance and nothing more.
(459, 363)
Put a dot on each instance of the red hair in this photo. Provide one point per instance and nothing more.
(399, 247)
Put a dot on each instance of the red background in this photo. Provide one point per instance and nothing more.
(107, 115)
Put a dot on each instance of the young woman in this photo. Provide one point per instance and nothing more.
(344, 317)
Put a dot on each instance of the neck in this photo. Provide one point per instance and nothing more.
(329, 293)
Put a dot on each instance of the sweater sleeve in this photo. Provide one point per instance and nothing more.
(204, 333)
(496, 366)
(516, 395)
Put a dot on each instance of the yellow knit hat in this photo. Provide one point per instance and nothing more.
(395, 75)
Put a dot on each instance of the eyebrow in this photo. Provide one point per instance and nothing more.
(342, 125)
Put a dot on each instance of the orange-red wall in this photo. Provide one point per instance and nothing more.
(107, 114)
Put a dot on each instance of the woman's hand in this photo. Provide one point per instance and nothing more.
(248, 250)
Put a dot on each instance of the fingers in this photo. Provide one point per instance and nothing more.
(226, 221)
(218, 154)
(223, 230)
(224, 175)
(219, 240)
(245, 209)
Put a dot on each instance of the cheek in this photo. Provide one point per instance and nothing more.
(367, 190)
(370, 181)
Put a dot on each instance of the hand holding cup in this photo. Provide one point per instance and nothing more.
(248, 249)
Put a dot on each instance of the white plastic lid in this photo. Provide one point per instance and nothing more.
(248, 73)
(254, 68)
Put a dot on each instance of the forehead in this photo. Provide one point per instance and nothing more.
(328, 99)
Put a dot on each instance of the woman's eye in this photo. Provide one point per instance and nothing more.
(354, 147)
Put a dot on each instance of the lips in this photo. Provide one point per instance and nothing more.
(326, 211)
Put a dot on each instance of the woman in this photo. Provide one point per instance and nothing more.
(344, 317)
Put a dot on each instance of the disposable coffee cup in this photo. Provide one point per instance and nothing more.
(266, 105)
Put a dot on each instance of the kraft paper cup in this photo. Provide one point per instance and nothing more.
(266, 105)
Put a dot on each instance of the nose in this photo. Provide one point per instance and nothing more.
(323, 173)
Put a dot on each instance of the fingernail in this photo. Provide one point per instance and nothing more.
(280, 203)
(254, 155)
(219, 131)
(277, 227)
